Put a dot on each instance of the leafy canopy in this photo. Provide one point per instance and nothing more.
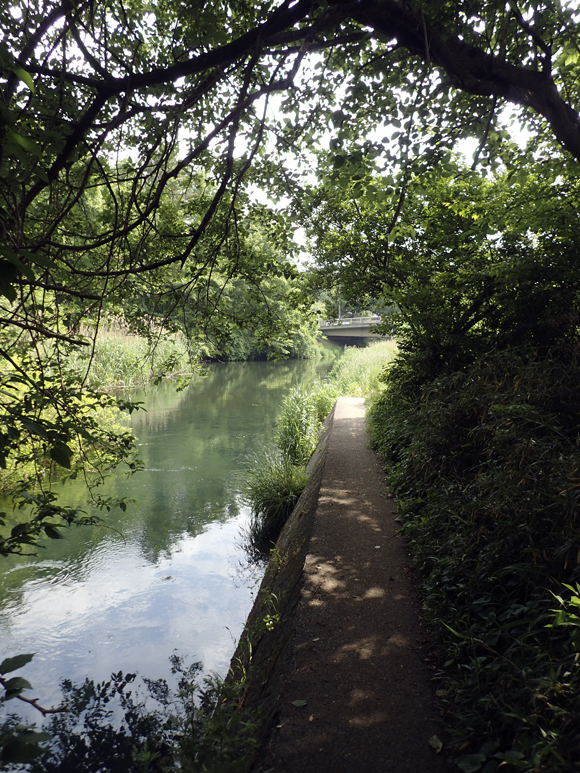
(133, 134)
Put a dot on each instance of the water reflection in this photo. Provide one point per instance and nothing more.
(168, 578)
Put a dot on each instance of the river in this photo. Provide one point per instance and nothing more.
(170, 575)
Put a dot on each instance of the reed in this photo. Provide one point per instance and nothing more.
(120, 360)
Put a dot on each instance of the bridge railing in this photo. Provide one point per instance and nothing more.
(344, 321)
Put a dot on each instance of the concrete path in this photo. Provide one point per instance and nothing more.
(358, 658)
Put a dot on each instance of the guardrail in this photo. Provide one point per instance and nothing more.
(344, 321)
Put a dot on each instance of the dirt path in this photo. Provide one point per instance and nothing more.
(357, 648)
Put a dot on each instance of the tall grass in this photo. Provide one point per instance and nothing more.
(272, 485)
(358, 372)
(297, 426)
(275, 478)
(128, 361)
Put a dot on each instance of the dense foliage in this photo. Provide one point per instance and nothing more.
(485, 465)
(133, 136)
(479, 427)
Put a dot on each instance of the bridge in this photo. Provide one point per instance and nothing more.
(350, 327)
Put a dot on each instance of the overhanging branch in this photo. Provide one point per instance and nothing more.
(470, 68)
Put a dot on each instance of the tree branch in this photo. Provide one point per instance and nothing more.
(536, 37)
(34, 701)
(469, 68)
(61, 289)
(44, 331)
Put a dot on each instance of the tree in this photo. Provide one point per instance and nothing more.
(472, 265)
(83, 84)
(131, 134)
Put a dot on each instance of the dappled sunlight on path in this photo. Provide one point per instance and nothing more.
(359, 674)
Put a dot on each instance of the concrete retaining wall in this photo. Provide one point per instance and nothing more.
(261, 656)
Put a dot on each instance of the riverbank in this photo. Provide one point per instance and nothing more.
(335, 649)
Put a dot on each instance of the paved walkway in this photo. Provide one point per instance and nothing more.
(357, 658)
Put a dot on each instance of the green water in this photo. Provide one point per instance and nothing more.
(171, 574)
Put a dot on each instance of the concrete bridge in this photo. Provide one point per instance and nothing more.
(350, 327)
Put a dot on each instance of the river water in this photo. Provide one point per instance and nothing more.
(170, 575)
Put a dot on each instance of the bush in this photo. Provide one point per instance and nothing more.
(485, 464)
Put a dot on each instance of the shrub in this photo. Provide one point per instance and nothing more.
(485, 464)
(271, 487)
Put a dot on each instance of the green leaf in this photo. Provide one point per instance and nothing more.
(51, 532)
(61, 454)
(488, 748)
(471, 763)
(40, 260)
(25, 77)
(35, 428)
(20, 528)
(13, 258)
(6, 57)
(8, 275)
(25, 142)
(338, 118)
(513, 756)
(456, 633)
(42, 175)
(299, 703)
(15, 686)
(11, 664)
(435, 743)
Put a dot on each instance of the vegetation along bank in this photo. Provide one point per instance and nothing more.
(427, 155)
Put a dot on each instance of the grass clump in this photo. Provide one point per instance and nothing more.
(275, 477)
(272, 486)
(119, 361)
(485, 462)
(299, 422)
